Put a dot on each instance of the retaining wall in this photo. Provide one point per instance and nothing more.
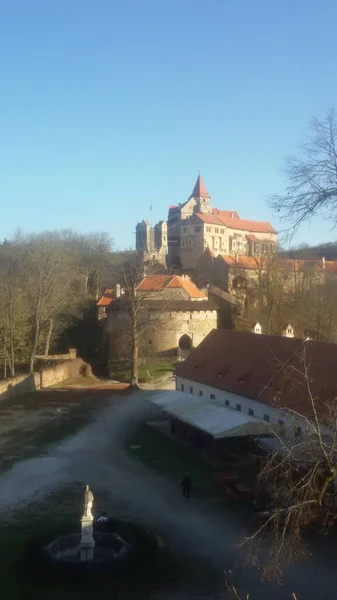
(47, 376)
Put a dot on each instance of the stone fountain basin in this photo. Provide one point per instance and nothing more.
(109, 548)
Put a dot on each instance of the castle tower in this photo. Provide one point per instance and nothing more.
(143, 234)
(201, 196)
(152, 242)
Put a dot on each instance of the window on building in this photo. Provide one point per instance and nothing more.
(226, 402)
(222, 231)
(251, 412)
(164, 238)
(212, 396)
(216, 230)
(150, 342)
(208, 229)
(238, 407)
(280, 422)
(184, 229)
(191, 390)
(182, 387)
(266, 418)
(197, 229)
(201, 393)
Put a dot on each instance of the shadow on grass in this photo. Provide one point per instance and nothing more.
(23, 572)
(29, 425)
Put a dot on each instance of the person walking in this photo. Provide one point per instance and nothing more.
(186, 485)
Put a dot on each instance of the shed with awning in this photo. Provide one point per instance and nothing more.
(216, 420)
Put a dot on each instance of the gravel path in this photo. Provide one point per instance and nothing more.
(96, 455)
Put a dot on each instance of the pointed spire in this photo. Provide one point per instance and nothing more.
(199, 190)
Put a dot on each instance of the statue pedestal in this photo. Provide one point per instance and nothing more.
(87, 543)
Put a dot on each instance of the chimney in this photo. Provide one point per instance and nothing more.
(323, 262)
(117, 290)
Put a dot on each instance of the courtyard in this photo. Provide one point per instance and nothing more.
(52, 443)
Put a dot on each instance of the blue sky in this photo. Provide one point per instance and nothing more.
(107, 106)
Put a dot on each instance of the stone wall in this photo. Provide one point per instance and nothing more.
(65, 370)
(163, 332)
(21, 384)
(47, 376)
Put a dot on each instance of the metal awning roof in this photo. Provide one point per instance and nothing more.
(218, 421)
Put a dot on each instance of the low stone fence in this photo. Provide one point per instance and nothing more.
(47, 376)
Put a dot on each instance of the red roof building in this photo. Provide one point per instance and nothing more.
(156, 284)
(238, 367)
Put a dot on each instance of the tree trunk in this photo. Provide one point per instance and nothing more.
(50, 331)
(34, 348)
(5, 359)
(12, 351)
(134, 363)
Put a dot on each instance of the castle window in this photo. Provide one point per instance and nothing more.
(222, 231)
(216, 230)
(226, 402)
(212, 396)
(208, 229)
(191, 390)
(250, 412)
(266, 418)
(238, 407)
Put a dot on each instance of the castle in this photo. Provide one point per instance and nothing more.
(195, 226)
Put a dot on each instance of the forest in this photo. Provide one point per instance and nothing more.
(49, 282)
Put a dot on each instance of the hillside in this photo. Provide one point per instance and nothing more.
(328, 250)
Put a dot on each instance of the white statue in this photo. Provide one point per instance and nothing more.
(88, 502)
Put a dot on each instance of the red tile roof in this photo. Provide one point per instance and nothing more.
(189, 287)
(236, 223)
(252, 238)
(256, 262)
(208, 218)
(243, 261)
(265, 368)
(232, 214)
(244, 224)
(155, 283)
(199, 190)
(104, 301)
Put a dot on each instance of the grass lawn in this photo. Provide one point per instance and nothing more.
(171, 459)
(56, 514)
(31, 423)
(120, 370)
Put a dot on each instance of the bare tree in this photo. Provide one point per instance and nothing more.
(139, 314)
(300, 479)
(312, 180)
(13, 317)
(50, 283)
